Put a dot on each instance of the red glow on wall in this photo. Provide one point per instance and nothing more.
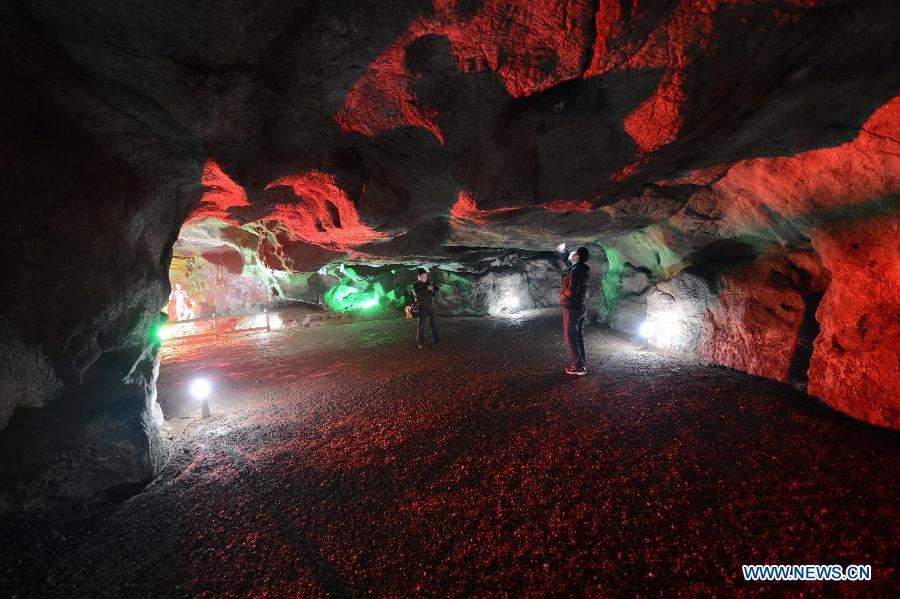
(844, 199)
(530, 46)
(380, 100)
(221, 194)
(757, 317)
(669, 47)
(567, 206)
(856, 355)
(465, 208)
(533, 46)
(323, 214)
(866, 168)
(657, 120)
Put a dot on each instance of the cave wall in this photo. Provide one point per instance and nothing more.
(85, 275)
(512, 282)
(857, 352)
(478, 282)
(218, 282)
(790, 246)
(755, 323)
(223, 269)
(794, 318)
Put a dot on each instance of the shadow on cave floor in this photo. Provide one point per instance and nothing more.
(342, 459)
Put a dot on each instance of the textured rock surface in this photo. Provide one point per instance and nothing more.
(631, 309)
(755, 323)
(857, 353)
(85, 262)
(678, 307)
(674, 133)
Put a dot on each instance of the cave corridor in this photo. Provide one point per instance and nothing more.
(217, 378)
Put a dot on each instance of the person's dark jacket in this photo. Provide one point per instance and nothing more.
(574, 287)
(424, 295)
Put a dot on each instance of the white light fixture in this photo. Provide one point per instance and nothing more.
(510, 303)
(201, 388)
(662, 329)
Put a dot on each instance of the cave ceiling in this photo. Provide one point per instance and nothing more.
(398, 130)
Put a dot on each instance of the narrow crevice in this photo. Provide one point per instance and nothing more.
(798, 372)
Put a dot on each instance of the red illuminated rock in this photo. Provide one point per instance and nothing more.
(530, 46)
(324, 214)
(755, 320)
(857, 353)
(845, 198)
(220, 195)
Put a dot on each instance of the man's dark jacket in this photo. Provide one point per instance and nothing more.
(424, 296)
(574, 287)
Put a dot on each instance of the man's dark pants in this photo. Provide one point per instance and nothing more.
(573, 325)
(420, 331)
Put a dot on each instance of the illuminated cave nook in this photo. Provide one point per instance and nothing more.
(235, 273)
(208, 382)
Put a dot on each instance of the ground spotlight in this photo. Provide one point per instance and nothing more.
(510, 303)
(663, 329)
(200, 389)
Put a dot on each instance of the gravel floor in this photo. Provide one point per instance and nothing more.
(343, 461)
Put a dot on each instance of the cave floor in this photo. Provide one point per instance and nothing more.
(341, 460)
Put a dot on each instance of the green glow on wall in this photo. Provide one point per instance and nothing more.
(612, 281)
(346, 298)
(347, 272)
(359, 293)
(456, 279)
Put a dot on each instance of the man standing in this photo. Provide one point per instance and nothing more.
(425, 297)
(571, 296)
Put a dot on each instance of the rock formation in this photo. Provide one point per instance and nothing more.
(740, 160)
